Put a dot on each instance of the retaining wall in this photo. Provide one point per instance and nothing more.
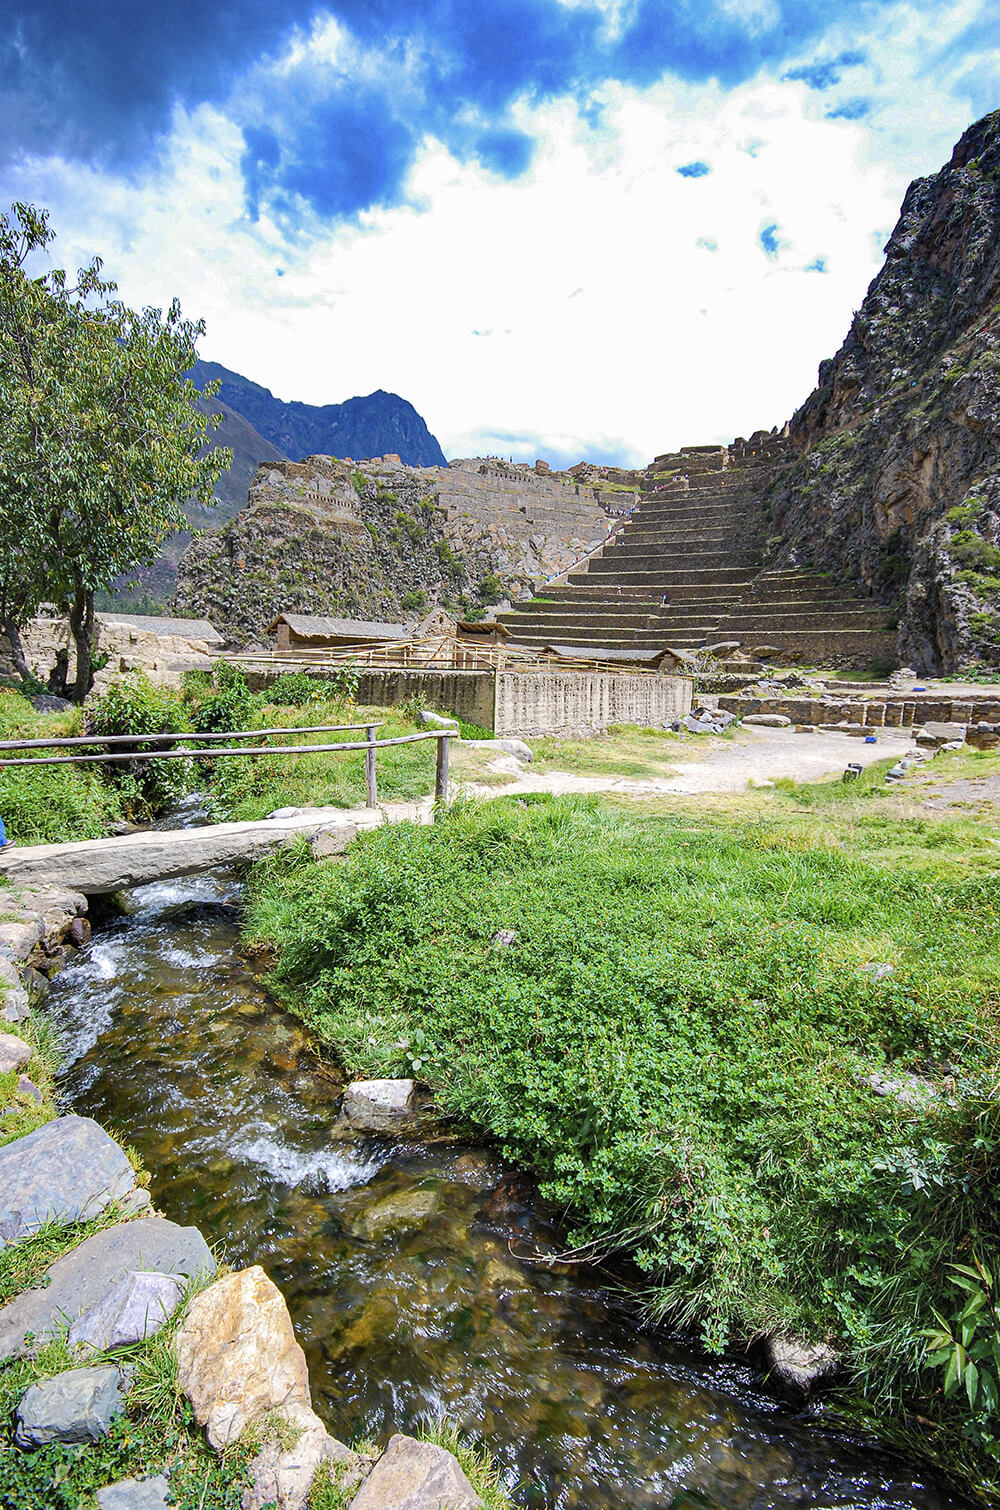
(873, 713)
(578, 702)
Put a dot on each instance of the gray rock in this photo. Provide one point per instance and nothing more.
(30, 1089)
(284, 812)
(413, 1475)
(281, 1478)
(332, 839)
(437, 720)
(908, 1090)
(18, 940)
(695, 725)
(66, 1171)
(14, 1053)
(404, 1211)
(132, 1310)
(135, 1494)
(80, 1279)
(137, 1202)
(15, 1005)
(796, 1367)
(768, 720)
(76, 1406)
(378, 1105)
(10, 977)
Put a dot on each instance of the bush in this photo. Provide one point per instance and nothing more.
(133, 705)
(229, 702)
(413, 600)
(50, 804)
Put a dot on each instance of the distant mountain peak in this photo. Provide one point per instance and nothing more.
(377, 424)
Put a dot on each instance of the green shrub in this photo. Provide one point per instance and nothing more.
(360, 483)
(229, 702)
(415, 599)
(491, 589)
(133, 705)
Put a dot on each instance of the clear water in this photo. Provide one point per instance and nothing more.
(403, 1265)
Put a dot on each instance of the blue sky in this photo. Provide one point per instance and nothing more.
(559, 227)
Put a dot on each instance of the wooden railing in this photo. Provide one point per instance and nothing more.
(434, 654)
(184, 749)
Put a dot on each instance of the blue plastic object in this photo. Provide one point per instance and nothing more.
(920, 689)
(869, 739)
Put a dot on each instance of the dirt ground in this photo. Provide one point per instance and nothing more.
(755, 756)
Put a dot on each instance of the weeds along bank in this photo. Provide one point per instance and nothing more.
(47, 804)
(754, 1052)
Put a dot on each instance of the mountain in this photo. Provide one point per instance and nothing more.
(381, 424)
(895, 482)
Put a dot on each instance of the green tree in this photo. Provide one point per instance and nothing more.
(100, 439)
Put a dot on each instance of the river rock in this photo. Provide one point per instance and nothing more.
(14, 1053)
(378, 1105)
(66, 1171)
(404, 1211)
(134, 1309)
(412, 1475)
(796, 1367)
(332, 839)
(237, 1357)
(281, 1477)
(135, 1494)
(80, 1279)
(76, 1406)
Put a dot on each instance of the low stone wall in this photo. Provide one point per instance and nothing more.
(873, 713)
(580, 702)
(164, 658)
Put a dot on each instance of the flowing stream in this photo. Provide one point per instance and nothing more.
(398, 1261)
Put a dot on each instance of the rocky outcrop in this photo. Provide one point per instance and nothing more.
(897, 482)
(383, 541)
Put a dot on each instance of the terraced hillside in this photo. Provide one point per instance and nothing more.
(688, 569)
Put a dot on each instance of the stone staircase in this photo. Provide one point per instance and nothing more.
(687, 570)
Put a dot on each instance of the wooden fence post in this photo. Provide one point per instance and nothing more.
(371, 786)
(441, 774)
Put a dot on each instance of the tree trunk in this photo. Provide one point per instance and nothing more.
(13, 632)
(59, 675)
(81, 623)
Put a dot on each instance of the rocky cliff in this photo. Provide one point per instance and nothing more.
(383, 541)
(896, 478)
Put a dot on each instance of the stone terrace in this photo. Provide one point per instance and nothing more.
(688, 570)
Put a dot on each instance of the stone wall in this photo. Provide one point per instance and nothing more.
(164, 658)
(870, 713)
(538, 523)
(581, 703)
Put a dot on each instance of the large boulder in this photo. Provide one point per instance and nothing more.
(132, 1310)
(281, 1476)
(80, 1280)
(378, 1105)
(76, 1406)
(412, 1475)
(237, 1357)
(66, 1171)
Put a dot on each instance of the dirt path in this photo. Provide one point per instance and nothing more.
(754, 755)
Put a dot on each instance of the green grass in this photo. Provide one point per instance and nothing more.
(678, 1042)
(252, 786)
(26, 1113)
(622, 751)
(39, 804)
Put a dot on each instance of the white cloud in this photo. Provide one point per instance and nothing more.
(628, 308)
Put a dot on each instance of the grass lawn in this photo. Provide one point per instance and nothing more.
(681, 1043)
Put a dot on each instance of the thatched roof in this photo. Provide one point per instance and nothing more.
(318, 627)
(184, 629)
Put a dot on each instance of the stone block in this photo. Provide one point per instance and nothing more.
(768, 720)
(412, 1475)
(66, 1171)
(76, 1406)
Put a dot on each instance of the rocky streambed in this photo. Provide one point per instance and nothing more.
(418, 1275)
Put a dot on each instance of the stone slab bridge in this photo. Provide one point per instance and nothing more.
(96, 866)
